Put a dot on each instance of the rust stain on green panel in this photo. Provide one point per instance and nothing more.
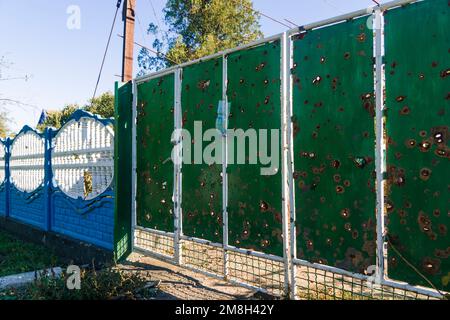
(418, 98)
(334, 141)
(155, 170)
(254, 200)
(202, 183)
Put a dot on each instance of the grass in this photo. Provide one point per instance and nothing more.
(108, 284)
(17, 256)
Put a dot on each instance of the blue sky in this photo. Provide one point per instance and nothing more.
(63, 64)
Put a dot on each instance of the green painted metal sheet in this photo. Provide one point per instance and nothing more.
(254, 200)
(155, 169)
(202, 182)
(418, 98)
(122, 170)
(334, 141)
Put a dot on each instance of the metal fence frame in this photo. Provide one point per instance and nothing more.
(289, 260)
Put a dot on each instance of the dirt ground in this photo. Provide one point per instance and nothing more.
(178, 283)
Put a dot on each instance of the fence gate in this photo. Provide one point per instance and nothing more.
(336, 188)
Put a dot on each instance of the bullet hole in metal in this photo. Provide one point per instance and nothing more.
(355, 234)
(389, 206)
(317, 80)
(441, 153)
(437, 212)
(425, 174)
(400, 181)
(442, 229)
(347, 55)
(438, 137)
(362, 37)
(267, 100)
(323, 199)
(260, 66)
(340, 189)
(434, 64)
(400, 98)
(445, 73)
(405, 110)
(241, 81)
(329, 242)
(337, 178)
(163, 201)
(322, 60)
(203, 184)
(421, 76)
(263, 206)
(311, 155)
(211, 196)
(347, 183)
(267, 81)
(203, 84)
(348, 227)
(345, 213)
(423, 133)
(294, 65)
(411, 143)
(336, 164)
(431, 266)
(265, 243)
(360, 162)
(309, 245)
(425, 146)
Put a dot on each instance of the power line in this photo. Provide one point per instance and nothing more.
(119, 2)
(151, 50)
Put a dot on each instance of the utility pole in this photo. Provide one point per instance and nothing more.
(128, 18)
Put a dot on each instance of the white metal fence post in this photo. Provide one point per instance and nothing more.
(178, 218)
(225, 163)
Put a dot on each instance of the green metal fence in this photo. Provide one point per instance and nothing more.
(334, 218)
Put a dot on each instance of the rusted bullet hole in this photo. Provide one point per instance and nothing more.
(347, 183)
(411, 143)
(212, 213)
(421, 76)
(267, 81)
(203, 184)
(442, 229)
(322, 60)
(260, 66)
(345, 213)
(203, 84)
(355, 234)
(309, 244)
(360, 162)
(398, 155)
(265, 243)
(294, 65)
(438, 137)
(431, 266)
(407, 205)
(441, 153)
(336, 164)
(404, 111)
(425, 146)
(317, 80)
(314, 135)
(241, 81)
(211, 196)
(389, 206)
(311, 155)
(437, 212)
(337, 178)
(434, 64)
(340, 189)
(348, 227)
(347, 55)
(322, 199)
(263, 206)
(400, 98)
(329, 241)
(318, 104)
(445, 73)
(267, 100)
(362, 37)
(402, 213)
(366, 96)
(425, 174)
(400, 181)
(423, 133)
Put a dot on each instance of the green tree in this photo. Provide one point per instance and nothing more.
(102, 105)
(4, 129)
(197, 28)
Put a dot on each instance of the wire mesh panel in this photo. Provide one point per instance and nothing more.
(254, 199)
(334, 143)
(155, 169)
(82, 158)
(202, 183)
(27, 161)
(417, 45)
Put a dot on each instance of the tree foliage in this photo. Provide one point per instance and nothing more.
(4, 128)
(102, 106)
(197, 28)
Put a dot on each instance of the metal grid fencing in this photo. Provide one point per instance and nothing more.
(315, 227)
